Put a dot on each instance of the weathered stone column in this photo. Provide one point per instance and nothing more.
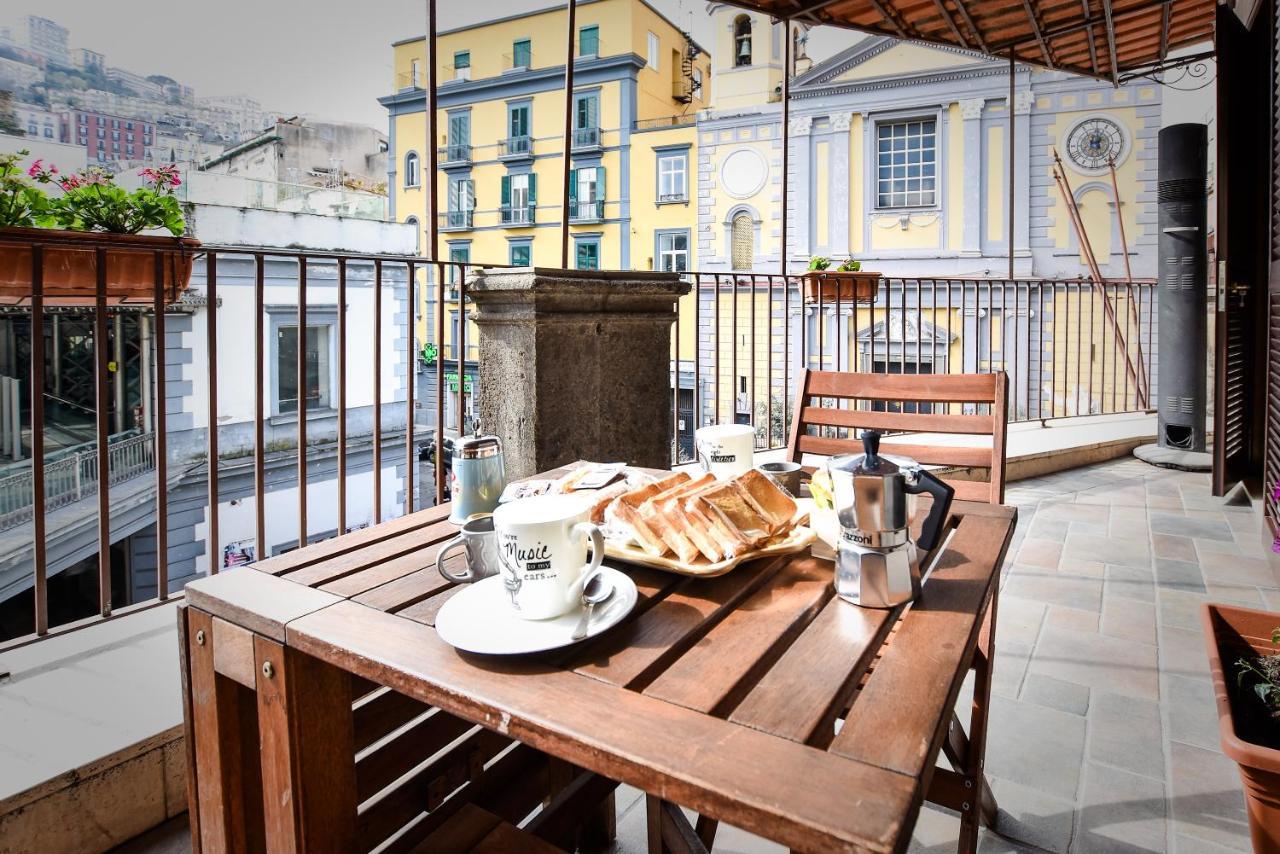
(576, 364)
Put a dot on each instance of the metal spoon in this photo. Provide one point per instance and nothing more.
(597, 591)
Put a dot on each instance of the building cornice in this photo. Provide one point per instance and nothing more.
(901, 80)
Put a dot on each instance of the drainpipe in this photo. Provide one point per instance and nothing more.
(117, 354)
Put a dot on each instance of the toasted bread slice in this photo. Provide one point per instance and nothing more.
(778, 507)
(626, 508)
(606, 496)
(659, 513)
(699, 530)
(736, 511)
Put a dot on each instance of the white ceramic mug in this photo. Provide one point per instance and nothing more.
(725, 450)
(542, 549)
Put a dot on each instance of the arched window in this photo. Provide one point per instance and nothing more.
(417, 232)
(742, 40)
(412, 174)
(741, 236)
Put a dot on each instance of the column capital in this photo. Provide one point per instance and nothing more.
(800, 125)
(841, 121)
(1022, 102)
(971, 108)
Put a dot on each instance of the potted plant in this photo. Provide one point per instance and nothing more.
(1245, 663)
(847, 283)
(91, 217)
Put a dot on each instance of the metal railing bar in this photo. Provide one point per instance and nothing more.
(40, 581)
(259, 411)
(410, 362)
(440, 459)
(342, 395)
(717, 347)
(377, 391)
(104, 494)
(161, 427)
(301, 393)
(211, 327)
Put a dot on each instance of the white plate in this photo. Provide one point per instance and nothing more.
(480, 619)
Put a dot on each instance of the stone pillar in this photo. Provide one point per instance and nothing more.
(576, 364)
(971, 115)
(840, 180)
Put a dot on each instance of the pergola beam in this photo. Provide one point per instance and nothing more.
(1035, 28)
(1165, 15)
(1077, 26)
(891, 19)
(973, 27)
(951, 24)
(1111, 41)
(1093, 48)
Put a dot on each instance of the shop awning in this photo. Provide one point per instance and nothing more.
(1100, 38)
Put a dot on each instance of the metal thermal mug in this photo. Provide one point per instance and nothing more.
(477, 478)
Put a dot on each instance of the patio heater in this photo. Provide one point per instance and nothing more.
(1183, 293)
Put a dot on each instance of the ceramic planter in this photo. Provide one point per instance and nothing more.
(1230, 633)
(830, 286)
(70, 266)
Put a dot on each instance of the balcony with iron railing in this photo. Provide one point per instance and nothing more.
(517, 215)
(456, 220)
(455, 154)
(515, 148)
(591, 211)
(586, 139)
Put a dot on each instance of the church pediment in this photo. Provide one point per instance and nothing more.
(879, 58)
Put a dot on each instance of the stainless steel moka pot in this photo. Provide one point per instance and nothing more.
(878, 566)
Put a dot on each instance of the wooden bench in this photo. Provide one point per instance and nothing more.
(977, 391)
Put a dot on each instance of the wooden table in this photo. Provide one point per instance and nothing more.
(722, 695)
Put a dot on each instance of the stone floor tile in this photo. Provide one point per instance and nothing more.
(1128, 619)
(1020, 619)
(1182, 653)
(1047, 529)
(1055, 694)
(1207, 801)
(1091, 568)
(1056, 588)
(1192, 710)
(1163, 502)
(1098, 662)
(1041, 553)
(1121, 812)
(1238, 569)
(1073, 619)
(1126, 732)
(1127, 551)
(1179, 575)
(1191, 845)
(1036, 747)
(1183, 526)
(1066, 510)
(1089, 528)
(1174, 547)
(1225, 547)
(1236, 594)
(1012, 660)
(936, 831)
(1180, 609)
(1031, 817)
(1130, 582)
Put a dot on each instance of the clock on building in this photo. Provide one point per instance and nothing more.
(1094, 142)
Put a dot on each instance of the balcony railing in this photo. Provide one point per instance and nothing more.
(586, 138)
(516, 146)
(586, 211)
(71, 475)
(456, 220)
(517, 215)
(1068, 347)
(682, 196)
(455, 153)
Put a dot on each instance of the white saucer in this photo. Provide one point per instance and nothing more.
(480, 619)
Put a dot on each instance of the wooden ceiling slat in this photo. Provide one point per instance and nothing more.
(1062, 33)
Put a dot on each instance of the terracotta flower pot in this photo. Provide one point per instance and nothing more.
(1230, 633)
(830, 286)
(70, 265)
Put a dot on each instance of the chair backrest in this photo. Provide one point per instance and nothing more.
(816, 388)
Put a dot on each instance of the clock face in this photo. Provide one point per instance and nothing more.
(1095, 142)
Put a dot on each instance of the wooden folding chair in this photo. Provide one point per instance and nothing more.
(916, 392)
(919, 395)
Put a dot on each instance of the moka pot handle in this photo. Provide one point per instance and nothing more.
(931, 531)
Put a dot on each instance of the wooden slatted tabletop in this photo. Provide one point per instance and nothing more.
(757, 698)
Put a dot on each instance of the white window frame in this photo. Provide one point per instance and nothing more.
(665, 251)
(520, 191)
(677, 177)
(655, 51)
(412, 176)
(896, 188)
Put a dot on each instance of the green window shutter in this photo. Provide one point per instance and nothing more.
(600, 193)
(506, 190)
(533, 188)
(573, 186)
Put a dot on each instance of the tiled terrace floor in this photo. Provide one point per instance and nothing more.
(1104, 735)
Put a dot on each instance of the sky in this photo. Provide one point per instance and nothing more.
(322, 58)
